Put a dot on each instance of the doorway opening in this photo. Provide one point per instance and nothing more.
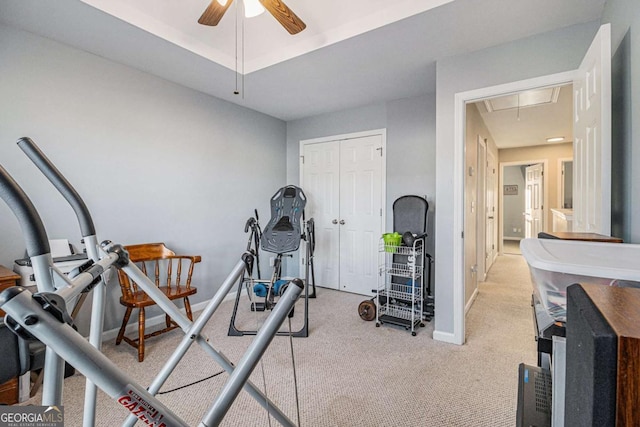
(517, 126)
(592, 160)
(517, 200)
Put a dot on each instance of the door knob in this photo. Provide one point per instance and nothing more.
(342, 222)
(335, 221)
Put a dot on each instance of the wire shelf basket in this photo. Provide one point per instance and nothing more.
(404, 270)
(402, 291)
(400, 250)
(400, 312)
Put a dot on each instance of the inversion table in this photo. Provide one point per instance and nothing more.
(282, 235)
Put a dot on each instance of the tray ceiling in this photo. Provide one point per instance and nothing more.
(352, 53)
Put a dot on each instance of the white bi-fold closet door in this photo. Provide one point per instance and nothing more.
(343, 179)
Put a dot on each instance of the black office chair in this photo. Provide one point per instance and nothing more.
(14, 354)
(20, 356)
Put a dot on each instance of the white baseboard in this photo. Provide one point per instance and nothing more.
(132, 328)
(445, 337)
(512, 238)
(471, 300)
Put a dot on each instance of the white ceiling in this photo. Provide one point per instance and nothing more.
(266, 42)
(530, 124)
(352, 53)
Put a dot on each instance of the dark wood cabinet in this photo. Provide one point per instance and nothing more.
(603, 356)
(9, 390)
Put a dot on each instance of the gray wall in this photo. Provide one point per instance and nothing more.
(86, 112)
(539, 55)
(624, 16)
(154, 161)
(410, 125)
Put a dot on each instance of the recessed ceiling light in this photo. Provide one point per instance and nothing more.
(555, 139)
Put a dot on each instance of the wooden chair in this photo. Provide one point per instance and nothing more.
(165, 269)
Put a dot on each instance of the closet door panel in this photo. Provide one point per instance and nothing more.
(360, 212)
(321, 178)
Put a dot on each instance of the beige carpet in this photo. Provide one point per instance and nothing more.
(351, 373)
(511, 247)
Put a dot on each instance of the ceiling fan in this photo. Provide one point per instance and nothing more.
(277, 8)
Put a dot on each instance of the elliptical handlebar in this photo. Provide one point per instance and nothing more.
(35, 235)
(60, 183)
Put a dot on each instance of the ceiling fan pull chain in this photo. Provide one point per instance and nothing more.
(236, 92)
(242, 61)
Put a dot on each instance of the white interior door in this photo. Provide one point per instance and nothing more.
(321, 185)
(592, 138)
(534, 195)
(490, 195)
(343, 182)
(360, 212)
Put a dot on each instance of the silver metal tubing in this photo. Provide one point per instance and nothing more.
(217, 356)
(252, 356)
(53, 378)
(82, 280)
(249, 387)
(78, 284)
(156, 294)
(42, 272)
(181, 319)
(192, 333)
(53, 374)
(88, 232)
(73, 348)
(60, 182)
(95, 332)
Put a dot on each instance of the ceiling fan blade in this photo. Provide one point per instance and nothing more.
(284, 15)
(213, 14)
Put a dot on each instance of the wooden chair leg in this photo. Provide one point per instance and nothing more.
(167, 320)
(187, 308)
(125, 320)
(141, 334)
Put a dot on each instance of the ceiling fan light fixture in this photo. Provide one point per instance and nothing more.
(555, 139)
(252, 8)
(285, 16)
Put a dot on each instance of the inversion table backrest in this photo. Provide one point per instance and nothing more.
(410, 214)
(283, 232)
